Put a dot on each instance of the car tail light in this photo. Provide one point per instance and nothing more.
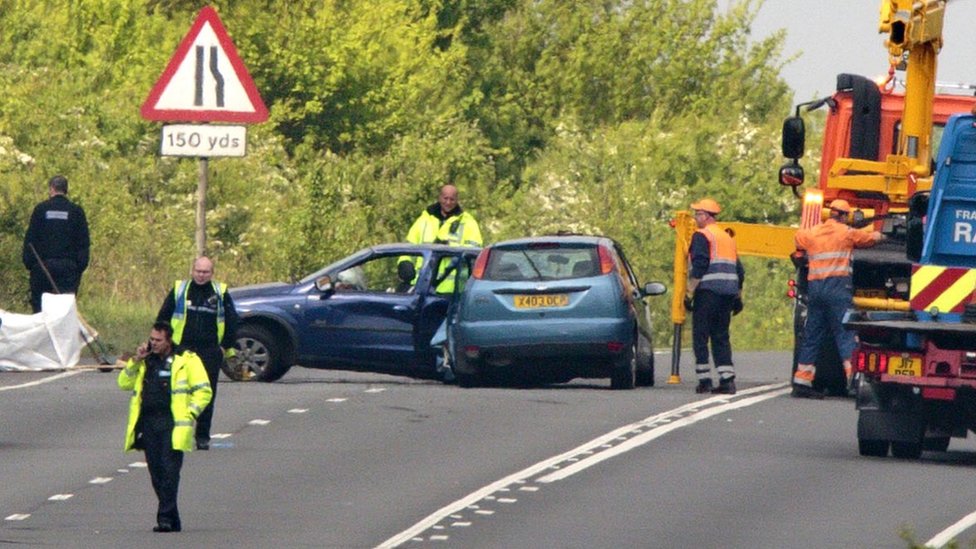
(615, 346)
(606, 260)
(479, 264)
(472, 351)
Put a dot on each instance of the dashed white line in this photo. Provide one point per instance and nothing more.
(100, 480)
(297, 410)
(60, 497)
(375, 390)
(18, 516)
(336, 400)
(259, 422)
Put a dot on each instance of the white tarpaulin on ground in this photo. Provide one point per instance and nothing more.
(48, 340)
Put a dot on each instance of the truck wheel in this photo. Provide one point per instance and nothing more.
(644, 377)
(935, 444)
(624, 374)
(872, 448)
(259, 353)
(906, 450)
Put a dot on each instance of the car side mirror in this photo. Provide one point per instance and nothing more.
(325, 285)
(655, 288)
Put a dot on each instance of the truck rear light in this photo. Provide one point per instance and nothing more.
(938, 393)
(871, 363)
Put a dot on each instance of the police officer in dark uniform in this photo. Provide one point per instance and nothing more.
(58, 233)
(204, 320)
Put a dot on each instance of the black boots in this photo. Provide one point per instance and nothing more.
(725, 388)
(804, 391)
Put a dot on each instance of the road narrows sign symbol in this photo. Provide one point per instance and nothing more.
(205, 80)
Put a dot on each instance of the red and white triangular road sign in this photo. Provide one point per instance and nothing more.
(205, 80)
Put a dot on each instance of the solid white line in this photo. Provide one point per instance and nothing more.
(530, 471)
(644, 438)
(40, 381)
(951, 532)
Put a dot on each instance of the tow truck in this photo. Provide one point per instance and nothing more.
(876, 154)
(918, 367)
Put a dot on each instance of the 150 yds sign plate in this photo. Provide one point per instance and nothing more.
(203, 140)
(539, 301)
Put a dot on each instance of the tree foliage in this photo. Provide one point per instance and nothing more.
(594, 116)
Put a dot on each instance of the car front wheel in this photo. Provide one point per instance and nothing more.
(259, 355)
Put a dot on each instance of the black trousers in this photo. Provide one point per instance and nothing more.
(164, 464)
(66, 277)
(212, 358)
(710, 324)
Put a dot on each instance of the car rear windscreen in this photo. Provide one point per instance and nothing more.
(543, 261)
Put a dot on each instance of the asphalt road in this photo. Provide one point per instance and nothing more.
(340, 459)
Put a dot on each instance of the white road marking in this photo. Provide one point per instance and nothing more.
(18, 516)
(951, 532)
(336, 400)
(100, 480)
(138, 464)
(60, 497)
(375, 390)
(221, 435)
(662, 423)
(297, 410)
(259, 422)
(41, 381)
(644, 438)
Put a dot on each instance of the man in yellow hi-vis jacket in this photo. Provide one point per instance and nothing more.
(169, 391)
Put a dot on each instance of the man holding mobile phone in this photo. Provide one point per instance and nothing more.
(169, 391)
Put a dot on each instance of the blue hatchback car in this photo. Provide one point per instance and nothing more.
(375, 310)
(553, 308)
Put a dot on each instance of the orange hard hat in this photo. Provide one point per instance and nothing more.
(840, 205)
(706, 205)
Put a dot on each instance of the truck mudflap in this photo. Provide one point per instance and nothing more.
(911, 418)
(889, 413)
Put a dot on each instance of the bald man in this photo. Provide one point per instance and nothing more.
(204, 320)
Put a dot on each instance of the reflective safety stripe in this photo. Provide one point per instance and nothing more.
(725, 371)
(183, 423)
(804, 374)
(703, 372)
(721, 276)
(831, 255)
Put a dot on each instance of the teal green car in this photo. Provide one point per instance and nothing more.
(551, 309)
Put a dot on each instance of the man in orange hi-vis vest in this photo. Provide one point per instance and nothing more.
(829, 247)
(714, 294)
